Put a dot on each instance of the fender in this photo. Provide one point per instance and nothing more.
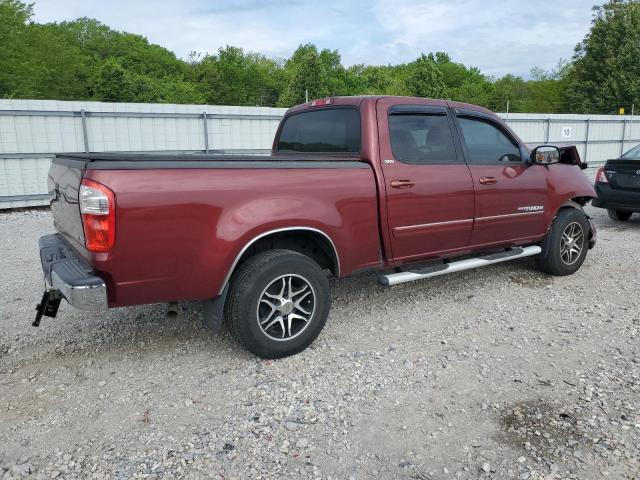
(270, 232)
(577, 206)
(567, 204)
(564, 183)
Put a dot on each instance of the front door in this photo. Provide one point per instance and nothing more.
(429, 190)
(511, 194)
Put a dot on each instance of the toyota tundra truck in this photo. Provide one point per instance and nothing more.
(409, 187)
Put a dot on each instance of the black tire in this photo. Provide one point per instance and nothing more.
(619, 215)
(556, 259)
(259, 278)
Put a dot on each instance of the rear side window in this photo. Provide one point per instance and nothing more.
(421, 139)
(333, 130)
(633, 154)
(486, 143)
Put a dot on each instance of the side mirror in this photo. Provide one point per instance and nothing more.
(545, 155)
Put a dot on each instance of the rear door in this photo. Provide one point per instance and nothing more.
(429, 191)
(511, 195)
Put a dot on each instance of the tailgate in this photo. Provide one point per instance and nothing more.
(623, 174)
(63, 185)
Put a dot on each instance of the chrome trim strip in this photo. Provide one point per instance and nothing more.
(278, 230)
(508, 215)
(434, 224)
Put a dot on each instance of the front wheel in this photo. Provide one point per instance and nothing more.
(619, 215)
(565, 247)
(278, 303)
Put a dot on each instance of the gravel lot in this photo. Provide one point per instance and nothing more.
(502, 372)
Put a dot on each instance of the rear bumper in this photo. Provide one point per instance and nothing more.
(70, 275)
(628, 200)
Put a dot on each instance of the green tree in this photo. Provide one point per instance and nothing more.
(14, 16)
(606, 72)
(478, 92)
(512, 89)
(85, 59)
(112, 83)
(320, 74)
(548, 89)
(455, 74)
(426, 79)
(39, 61)
(369, 80)
(234, 77)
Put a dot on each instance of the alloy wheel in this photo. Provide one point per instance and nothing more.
(571, 243)
(286, 307)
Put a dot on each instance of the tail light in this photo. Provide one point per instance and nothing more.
(322, 102)
(98, 209)
(601, 176)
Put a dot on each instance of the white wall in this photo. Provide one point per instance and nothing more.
(31, 131)
(605, 132)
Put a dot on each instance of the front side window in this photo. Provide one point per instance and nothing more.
(486, 143)
(332, 130)
(421, 138)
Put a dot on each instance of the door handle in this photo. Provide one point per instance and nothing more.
(402, 184)
(487, 181)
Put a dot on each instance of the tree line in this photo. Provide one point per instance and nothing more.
(84, 59)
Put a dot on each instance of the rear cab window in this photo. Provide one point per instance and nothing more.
(327, 130)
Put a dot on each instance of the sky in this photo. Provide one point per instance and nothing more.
(497, 36)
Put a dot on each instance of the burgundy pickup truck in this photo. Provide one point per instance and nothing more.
(410, 187)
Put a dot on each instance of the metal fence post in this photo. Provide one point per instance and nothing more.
(624, 135)
(85, 136)
(546, 134)
(206, 132)
(586, 141)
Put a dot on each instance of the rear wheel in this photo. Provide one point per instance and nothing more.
(278, 303)
(619, 215)
(565, 247)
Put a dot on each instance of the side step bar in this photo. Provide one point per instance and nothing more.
(442, 269)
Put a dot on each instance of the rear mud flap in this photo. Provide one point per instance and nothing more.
(213, 314)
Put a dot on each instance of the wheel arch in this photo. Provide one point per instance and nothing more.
(309, 241)
(577, 202)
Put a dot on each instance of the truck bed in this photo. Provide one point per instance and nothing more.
(183, 220)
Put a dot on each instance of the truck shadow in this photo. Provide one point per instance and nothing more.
(361, 295)
(136, 333)
(145, 332)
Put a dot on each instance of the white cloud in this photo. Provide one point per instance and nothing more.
(199, 25)
(497, 36)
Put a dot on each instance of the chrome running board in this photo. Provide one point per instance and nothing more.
(442, 269)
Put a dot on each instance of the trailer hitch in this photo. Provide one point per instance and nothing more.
(48, 306)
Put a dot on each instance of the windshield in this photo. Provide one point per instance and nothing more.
(633, 154)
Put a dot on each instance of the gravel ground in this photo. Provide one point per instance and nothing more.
(501, 372)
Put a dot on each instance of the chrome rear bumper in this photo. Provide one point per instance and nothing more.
(70, 275)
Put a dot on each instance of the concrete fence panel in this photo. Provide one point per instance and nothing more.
(32, 131)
